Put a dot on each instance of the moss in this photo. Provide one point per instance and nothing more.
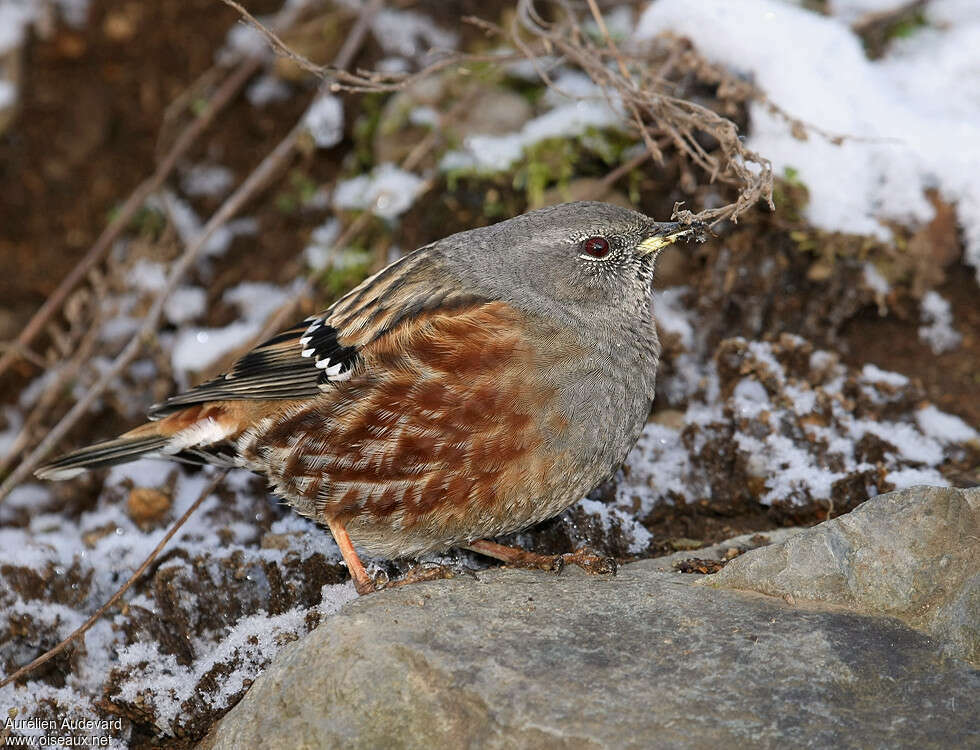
(365, 128)
(300, 188)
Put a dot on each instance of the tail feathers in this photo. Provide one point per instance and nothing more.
(108, 453)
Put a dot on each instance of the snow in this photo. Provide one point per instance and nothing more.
(189, 226)
(387, 192)
(184, 304)
(325, 121)
(196, 349)
(14, 19)
(577, 105)
(750, 398)
(242, 41)
(852, 10)
(611, 517)
(409, 34)
(210, 180)
(875, 281)
(8, 95)
(249, 645)
(911, 123)
(267, 89)
(874, 374)
(937, 331)
(672, 316)
(946, 428)
(147, 275)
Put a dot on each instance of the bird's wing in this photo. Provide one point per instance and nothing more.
(325, 349)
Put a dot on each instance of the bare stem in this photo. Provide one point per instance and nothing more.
(258, 179)
(80, 631)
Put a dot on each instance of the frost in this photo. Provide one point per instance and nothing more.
(267, 89)
(212, 180)
(915, 126)
(938, 331)
(409, 34)
(325, 121)
(387, 192)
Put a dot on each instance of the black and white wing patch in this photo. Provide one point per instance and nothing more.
(320, 344)
(300, 362)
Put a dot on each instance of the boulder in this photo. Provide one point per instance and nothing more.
(514, 658)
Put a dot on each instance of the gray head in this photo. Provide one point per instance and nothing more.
(587, 253)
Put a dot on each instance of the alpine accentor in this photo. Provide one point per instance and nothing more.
(472, 388)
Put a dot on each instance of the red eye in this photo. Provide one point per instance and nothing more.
(597, 247)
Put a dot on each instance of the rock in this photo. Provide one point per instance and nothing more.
(513, 658)
(912, 554)
(147, 506)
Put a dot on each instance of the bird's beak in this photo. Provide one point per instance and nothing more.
(662, 234)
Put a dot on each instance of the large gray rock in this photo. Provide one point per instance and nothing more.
(643, 659)
(912, 554)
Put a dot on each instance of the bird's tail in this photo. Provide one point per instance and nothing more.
(198, 435)
(108, 453)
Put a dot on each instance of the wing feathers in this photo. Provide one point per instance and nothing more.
(308, 358)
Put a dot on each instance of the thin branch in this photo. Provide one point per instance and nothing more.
(277, 44)
(258, 179)
(137, 198)
(80, 631)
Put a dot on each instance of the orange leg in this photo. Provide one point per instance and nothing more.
(520, 558)
(362, 581)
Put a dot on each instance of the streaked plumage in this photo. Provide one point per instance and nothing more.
(476, 386)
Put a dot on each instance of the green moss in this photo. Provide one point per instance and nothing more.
(365, 128)
(299, 189)
(336, 281)
(908, 26)
(790, 196)
(147, 222)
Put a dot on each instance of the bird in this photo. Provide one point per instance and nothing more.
(474, 387)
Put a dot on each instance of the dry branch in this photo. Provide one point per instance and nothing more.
(81, 630)
(258, 179)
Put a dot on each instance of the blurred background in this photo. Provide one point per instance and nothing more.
(176, 184)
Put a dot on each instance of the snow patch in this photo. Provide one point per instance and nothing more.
(937, 316)
(912, 125)
(387, 192)
(325, 121)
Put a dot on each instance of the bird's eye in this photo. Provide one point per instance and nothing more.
(596, 247)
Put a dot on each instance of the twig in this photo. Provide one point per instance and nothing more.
(52, 393)
(252, 184)
(80, 631)
(222, 96)
(278, 44)
(53, 303)
(645, 101)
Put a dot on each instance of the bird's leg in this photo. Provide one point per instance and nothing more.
(520, 558)
(362, 581)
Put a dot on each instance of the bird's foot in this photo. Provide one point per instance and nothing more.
(417, 574)
(519, 558)
(590, 562)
